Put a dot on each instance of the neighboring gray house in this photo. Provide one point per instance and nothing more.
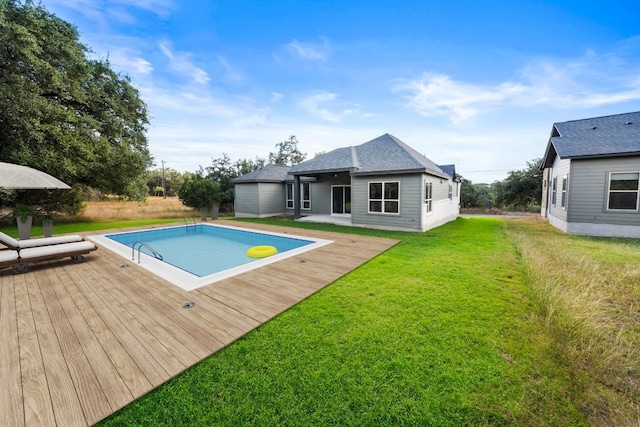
(591, 175)
(383, 183)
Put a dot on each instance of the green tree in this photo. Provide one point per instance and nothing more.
(173, 180)
(64, 113)
(476, 195)
(223, 170)
(522, 188)
(288, 153)
(199, 192)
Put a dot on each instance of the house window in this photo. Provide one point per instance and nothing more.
(623, 191)
(554, 190)
(563, 196)
(384, 197)
(450, 191)
(305, 196)
(428, 196)
(289, 196)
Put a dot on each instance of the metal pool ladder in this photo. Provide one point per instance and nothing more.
(141, 245)
(189, 225)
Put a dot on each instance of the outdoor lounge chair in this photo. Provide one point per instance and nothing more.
(74, 250)
(22, 253)
(12, 243)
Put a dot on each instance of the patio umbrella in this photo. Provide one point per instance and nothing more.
(23, 177)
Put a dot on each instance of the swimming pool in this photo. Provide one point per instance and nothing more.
(197, 255)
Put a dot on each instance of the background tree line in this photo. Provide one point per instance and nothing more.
(521, 190)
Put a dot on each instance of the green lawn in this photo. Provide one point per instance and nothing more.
(439, 330)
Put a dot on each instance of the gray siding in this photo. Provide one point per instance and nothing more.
(259, 199)
(271, 198)
(246, 199)
(560, 168)
(411, 201)
(588, 191)
(320, 198)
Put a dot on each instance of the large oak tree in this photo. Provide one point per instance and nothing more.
(63, 111)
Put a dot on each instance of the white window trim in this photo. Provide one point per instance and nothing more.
(428, 201)
(564, 192)
(305, 196)
(369, 199)
(554, 191)
(289, 201)
(606, 206)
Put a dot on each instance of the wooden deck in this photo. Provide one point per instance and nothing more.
(80, 341)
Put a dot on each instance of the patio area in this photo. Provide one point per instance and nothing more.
(80, 341)
(327, 219)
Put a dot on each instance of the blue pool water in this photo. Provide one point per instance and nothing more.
(203, 250)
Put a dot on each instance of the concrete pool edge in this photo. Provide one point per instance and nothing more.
(188, 281)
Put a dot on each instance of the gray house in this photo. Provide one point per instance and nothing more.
(382, 183)
(591, 175)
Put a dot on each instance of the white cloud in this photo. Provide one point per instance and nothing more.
(181, 62)
(102, 11)
(159, 7)
(231, 74)
(558, 84)
(130, 60)
(437, 95)
(318, 103)
(315, 52)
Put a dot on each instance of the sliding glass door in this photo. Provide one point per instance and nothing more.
(341, 200)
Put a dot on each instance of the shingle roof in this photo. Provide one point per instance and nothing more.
(269, 173)
(383, 155)
(608, 136)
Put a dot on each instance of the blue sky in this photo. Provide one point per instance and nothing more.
(475, 83)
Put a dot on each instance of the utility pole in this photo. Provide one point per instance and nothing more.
(164, 183)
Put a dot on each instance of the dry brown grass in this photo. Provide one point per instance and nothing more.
(589, 291)
(153, 207)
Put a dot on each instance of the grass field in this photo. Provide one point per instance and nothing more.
(478, 322)
(153, 207)
(440, 330)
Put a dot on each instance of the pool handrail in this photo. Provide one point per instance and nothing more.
(141, 245)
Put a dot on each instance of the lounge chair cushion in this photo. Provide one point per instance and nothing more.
(44, 241)
(7, 256)
(40, 241)
(56, 251)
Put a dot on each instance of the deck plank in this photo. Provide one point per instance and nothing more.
(61, 387)
(11, 399)
(37, 402)
(80, 341)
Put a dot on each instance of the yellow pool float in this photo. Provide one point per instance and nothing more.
(261, 251)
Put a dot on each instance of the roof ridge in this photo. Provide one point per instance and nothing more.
(355, 163)
(599, 117)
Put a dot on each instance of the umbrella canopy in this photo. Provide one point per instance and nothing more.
(23, 177)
